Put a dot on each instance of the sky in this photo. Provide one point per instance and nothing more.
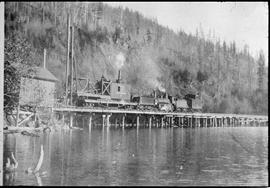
(242, 22)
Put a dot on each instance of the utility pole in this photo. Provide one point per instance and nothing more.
(76, 74)
(71, 67)
(44, 59)
(2, 18)
(67, 65)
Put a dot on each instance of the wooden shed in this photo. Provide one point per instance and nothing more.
(38, 88)
(120, 91)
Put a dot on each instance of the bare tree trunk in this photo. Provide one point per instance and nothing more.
(75, 13)
(42, 6)
(85, 12)
(55, 12)
(28, 11)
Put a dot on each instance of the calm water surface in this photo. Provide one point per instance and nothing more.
(156, 156)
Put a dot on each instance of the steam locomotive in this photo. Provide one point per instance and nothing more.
(108, 94)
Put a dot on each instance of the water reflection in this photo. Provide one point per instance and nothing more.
(148, 156)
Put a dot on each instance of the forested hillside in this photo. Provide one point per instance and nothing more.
(228, 79)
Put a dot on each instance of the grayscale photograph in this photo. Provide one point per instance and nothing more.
(134, 93)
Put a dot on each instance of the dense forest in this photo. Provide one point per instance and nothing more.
(227, 78)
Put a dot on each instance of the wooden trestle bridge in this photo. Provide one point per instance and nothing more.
(162, 119)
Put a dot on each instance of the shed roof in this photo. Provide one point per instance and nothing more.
(41, 73)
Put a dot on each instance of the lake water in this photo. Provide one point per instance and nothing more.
(156, 156)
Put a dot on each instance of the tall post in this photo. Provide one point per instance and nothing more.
(103, 120)
(68, 51)
(76, 74)
(108, 120)
(90, 122)
(44, 59)
(138, 121)
(150, 122)
(162, 121)
(123, 122)
(71, 120)
(2, 20)
(71, 67)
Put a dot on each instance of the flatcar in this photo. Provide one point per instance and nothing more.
(107, 94)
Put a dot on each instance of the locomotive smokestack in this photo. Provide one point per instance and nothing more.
(119, 76)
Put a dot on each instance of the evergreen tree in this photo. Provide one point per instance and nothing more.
(261, 71)
(148, 35)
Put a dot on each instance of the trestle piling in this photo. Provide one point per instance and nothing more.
(125, 118)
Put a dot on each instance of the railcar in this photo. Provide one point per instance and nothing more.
(144, 102)
(181, 105)
(108, 94)
(194, 103)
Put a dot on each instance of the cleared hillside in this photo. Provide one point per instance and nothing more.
(229, 79)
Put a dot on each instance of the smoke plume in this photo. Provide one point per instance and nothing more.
(153, 73)
(142, 71)
(120, 60)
